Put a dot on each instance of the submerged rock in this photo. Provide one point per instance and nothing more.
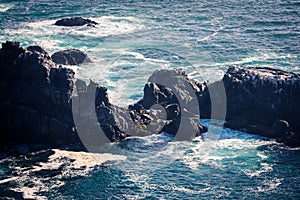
(75, 21)
(70, 57)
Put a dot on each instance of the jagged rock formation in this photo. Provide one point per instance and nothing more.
(264, 101)
(180, 112)
(75, 21)
(40, 102)
(70, 57)
(98, 121)
(92, 111)
(35, 97)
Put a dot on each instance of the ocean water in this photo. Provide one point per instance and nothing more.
(133, 39)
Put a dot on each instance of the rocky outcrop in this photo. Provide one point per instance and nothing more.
(116, 123)
(261, 101)
(180, 112)
(75, 21)
(91, 108)
(35, 97)
(264, 101)
(70, 57)
(40, 102)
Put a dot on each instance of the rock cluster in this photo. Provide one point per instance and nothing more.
(40, 102)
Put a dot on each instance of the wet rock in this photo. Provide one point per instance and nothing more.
(291, 139)
(158, 94)
(37, 49)
(75, 21)
(93, 115)
(259, 97)
(35, 97)
(280, 126)
(70, 57)
(9, 54)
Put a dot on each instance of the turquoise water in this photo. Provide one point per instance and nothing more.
(130, 42)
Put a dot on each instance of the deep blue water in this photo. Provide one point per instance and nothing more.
(133, 39)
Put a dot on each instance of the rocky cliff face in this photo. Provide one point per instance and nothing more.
(35, 97)
(264, 101)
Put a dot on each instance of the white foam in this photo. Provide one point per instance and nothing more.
(69, 163)
(8, 180)
(223, 145)
(211, 35)
(269, 185)
(5, 7)
(51, 37)
(130, 80)
(201, 153)
(261, 155)
(189, 191)
(259, 57)
(256, 173)
(211, 74)
(84, 159)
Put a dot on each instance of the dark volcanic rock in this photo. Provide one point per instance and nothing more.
(40, 103)
(106, 118)
(263, 101)
(165, 96)
(117, 123)
(75, 21)
(37, 49)
(89, 99)
(70, 57)
(35, 97)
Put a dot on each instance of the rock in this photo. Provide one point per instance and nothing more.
(291, 139)
(280, 126)
(158, 94)
(75, 21)
(37, 101)
(173, 110)
(258, 97)
(70, 57)
(11, 51)
(106, 118)
(10, 46)
(93, 99)
(37, 49)
(118, 123)
(35, 98)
